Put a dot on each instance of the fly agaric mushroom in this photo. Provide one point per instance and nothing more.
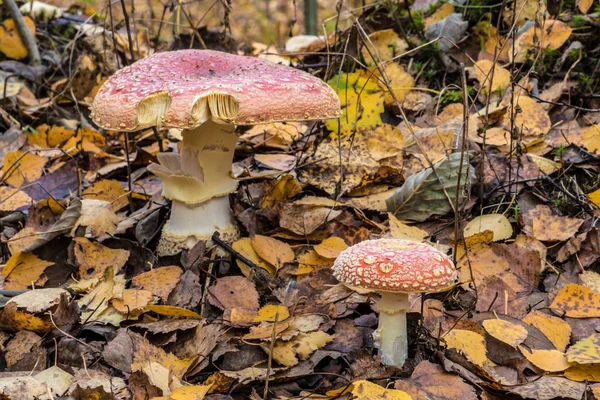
(394, 268)
(207, 94)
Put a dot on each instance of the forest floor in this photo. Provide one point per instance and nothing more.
(471, 126)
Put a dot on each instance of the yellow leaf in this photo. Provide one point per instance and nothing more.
(498, 224)
(94, 258)
(13, 199)
(196, 392)
(483, 72)
(98, 299)
(584, 5)
(549, 227)
(400, 230)
(546, 166)
(384, 46)
(10, 40)
(531, 119)
(132, 300)
(98, 218)
(21, 168)
(244, 247)
(441, 13)
(547, 360)
(590, 279)
(523, 10)
(273, 251)
(271, 312)
(365, 390)
(107, 190)
(145, 353)
(173, 311)
(585, 351)
(160, 281)
(400, 82)
(12, 319)
(361, 98)
(22, 270)
(385, 141)
(331, 247)
(505, 331)
(552, 35)
(595, 197)
(469, 343)
(301, 347)
(584, 372)
(555, 329)
(577, 301)
(590, 139)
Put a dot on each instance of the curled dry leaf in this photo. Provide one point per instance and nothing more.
(273, 251)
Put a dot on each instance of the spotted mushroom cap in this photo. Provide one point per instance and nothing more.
(395, 265)
(181, 89)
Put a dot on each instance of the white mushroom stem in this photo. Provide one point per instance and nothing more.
(391, 337)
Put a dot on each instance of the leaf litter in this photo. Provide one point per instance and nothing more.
(472, 129)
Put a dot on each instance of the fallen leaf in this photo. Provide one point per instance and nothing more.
(584, 5)
(172, 311)
(195, 392)
(159, 281)
(550, 387)
(585, 351)
(383, 46)
(594, 197)
(233, 292)
(13, 199)
(21, 168)
(470, 344)
(555, 329)
(22, 270)
(400, 230)
(546, 360)
(505, 331)
(58, 380)
(13, 320)
(530, 119)
(450, 30)
(500, 77)
(590, 139)
(39, 300)
(584, 372)
(498, 224)
(300, 348)
(132, 300)
(400, 82)
(331, 247)
(94, 258)
(10, 41)
(577, 301)
(523, 11)
(97, 217)
(271, 313)
(552, 35)
(365, 390)
(107, 190)
(273, 251)
(244, 247)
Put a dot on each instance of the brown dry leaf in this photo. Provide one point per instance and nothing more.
(277, 135)
(273, 251)
(546, 360)
(430, 381)
(264, 331)
(107, 190)
(23, 343)
(590, 279)
(400, 230)
(22, 270)
(98, 299)
(540, 223)
(195, 392)
(591, 139)
(585, 351)
(505, 331)
(21, 168)
(10, 42)
(132, 300)
(159, 281)
(555, 329)
(434, 144)
(94, 258)
(331, 247)
(57, 379)
(98, 218)
(530, 118)
(384, 46)
(39, 300)
(550, 387)
(233, 292)
(172, 311)
(300, 348)
(304, 219)
(483, 72)
(577, 301)
(145, 353)
(13, 199)
(385, 141)
(400, 82)
(552, 35)
(498, 224)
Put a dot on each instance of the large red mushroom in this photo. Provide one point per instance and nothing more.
(207, 94)
(394, 268)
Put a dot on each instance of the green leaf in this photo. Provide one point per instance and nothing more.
(422, 195)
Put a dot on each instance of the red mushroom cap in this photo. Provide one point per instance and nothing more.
(262, 92)
(395, 265)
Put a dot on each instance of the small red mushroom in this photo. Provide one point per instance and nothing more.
(207, 94)
(394, 268)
